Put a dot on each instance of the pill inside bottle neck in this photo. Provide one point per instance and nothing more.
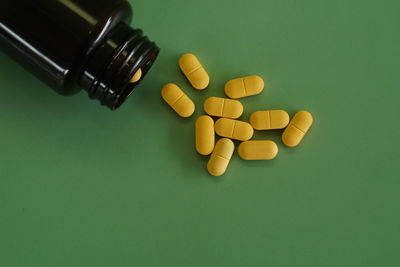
(136, 77)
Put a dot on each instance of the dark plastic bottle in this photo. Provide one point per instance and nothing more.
(77, 44)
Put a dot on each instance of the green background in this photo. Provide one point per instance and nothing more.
(83, 186)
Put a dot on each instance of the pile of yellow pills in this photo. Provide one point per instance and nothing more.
(223, 118)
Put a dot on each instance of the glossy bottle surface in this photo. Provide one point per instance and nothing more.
(73, 44)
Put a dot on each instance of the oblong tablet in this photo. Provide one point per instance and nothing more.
(258, 150)
(297, 128)
(136, 77)
(205, 135)
(194, 71)
(219, 159)
(178, 100)
(223, 107)
(246, 86)
(269, 119)
(234, 129)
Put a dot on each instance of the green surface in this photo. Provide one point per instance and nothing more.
(83, 186)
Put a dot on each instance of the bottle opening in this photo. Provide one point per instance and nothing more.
(130, 86)
(112, 66)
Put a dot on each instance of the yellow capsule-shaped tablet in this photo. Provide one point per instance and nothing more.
(136, 77)
(219, 159)
(194, 71)
(258, 150)
(297, 128)
(269, 119)
(178, 100)
(223, 107)
(205, 135)
(246, 86)
(238, 130)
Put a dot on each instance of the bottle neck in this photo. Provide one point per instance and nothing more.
(111, 66)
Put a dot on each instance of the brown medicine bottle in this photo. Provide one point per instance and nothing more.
(77, 44)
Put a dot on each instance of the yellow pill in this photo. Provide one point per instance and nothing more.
(194, 71)
(269, 119)
(234, 129)
(297, 128)
(178, 100)
(136, 77)
(219, 159)
(246, 86)
(205, 135)
(258, 150)
(223, 107)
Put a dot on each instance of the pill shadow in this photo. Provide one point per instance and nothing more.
(274, 135)
(258, 164)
